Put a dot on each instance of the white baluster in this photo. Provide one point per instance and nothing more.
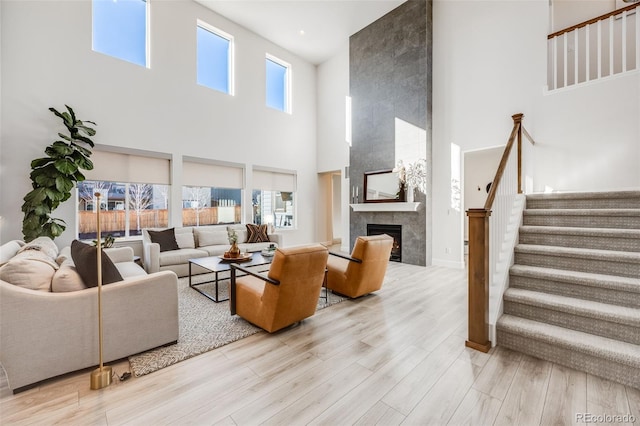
(624, 42)
(587, 49)
(565, 54)
(575, 56)
(611, 45)
(599, 24)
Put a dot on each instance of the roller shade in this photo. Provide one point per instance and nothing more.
(212, 175)
(274, 181)
(117, 167)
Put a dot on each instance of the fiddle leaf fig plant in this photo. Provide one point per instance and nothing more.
(54, 176)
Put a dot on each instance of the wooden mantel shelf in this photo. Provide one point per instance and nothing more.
(385, 207)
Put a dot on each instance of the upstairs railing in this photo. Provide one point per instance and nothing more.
(487, 229)
(598, 48)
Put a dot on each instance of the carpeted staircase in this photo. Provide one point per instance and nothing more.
(574, 290)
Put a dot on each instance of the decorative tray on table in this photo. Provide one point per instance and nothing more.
(242, 258)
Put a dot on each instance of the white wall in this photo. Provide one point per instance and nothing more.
(333, 150)
(479, 170)
(489, 63)
(49, 62)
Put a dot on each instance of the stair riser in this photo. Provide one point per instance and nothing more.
(596, 294)
(596, 266)
(591, 364)
(579, 241)
(620, 222)
(592, 203)
(596, 326)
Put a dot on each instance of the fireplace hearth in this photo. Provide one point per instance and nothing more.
(394, 231)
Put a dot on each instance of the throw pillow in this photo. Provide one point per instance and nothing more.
(8, 250)
(30, 269)
(67, 279)
(185, 240)
(42, 244)
(257, 233)
(166, 239)
(85, 257)
(212, 237)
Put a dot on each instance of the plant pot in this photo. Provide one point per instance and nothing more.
(234, 251)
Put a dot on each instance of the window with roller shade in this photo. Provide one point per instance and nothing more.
(134, 194)
(273, 198)
(212, 193)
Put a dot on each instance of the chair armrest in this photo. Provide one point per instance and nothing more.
(255, 274)
(232, 293)
(151, 257)
(344, 256)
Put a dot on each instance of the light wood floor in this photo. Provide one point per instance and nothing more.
(395, 357)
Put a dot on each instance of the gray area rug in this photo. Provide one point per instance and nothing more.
(204, 325)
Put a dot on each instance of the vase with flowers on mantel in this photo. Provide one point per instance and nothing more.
(410, 194)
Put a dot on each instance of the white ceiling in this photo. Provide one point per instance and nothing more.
(327, 24)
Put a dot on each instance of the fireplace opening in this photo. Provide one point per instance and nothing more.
(394, 231)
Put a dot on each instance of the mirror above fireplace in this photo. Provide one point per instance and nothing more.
(382, 186)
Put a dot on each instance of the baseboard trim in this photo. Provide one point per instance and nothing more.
(448, 263)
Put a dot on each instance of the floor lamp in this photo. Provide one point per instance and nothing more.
(101, 376)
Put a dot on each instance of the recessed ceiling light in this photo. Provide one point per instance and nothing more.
(301, 32)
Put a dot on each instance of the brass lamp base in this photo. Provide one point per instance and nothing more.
(100, 377)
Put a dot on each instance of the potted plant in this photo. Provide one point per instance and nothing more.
(53, 176)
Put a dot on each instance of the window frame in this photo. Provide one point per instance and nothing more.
(126, 202)
(230, 55)
(287, 83)
(147, 36)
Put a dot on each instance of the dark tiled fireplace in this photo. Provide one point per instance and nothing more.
(394, 231)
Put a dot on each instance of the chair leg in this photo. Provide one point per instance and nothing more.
(232, 291)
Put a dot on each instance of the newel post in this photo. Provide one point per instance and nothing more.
(479, 280)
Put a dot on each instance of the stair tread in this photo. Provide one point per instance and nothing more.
(583, 253)
(582, 212)
(611, 349)
(584, 278)
(573, 306)
(587, 232)
(583, 195)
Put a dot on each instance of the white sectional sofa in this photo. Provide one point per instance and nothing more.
(46, 333)
(196, 242)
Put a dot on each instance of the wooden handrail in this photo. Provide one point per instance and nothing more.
(593, 20)
(524, 132)
(517, 120)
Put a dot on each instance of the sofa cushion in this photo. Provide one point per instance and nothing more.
(217, 250)
(181, 256)
(185, 240)
(85, 257)
(257, 233)
(32, 269)
(212, 236)
(166, 239)
(67, 278)
(42, 244)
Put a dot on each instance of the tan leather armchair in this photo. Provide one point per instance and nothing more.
(362, 272)
(288, 294)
